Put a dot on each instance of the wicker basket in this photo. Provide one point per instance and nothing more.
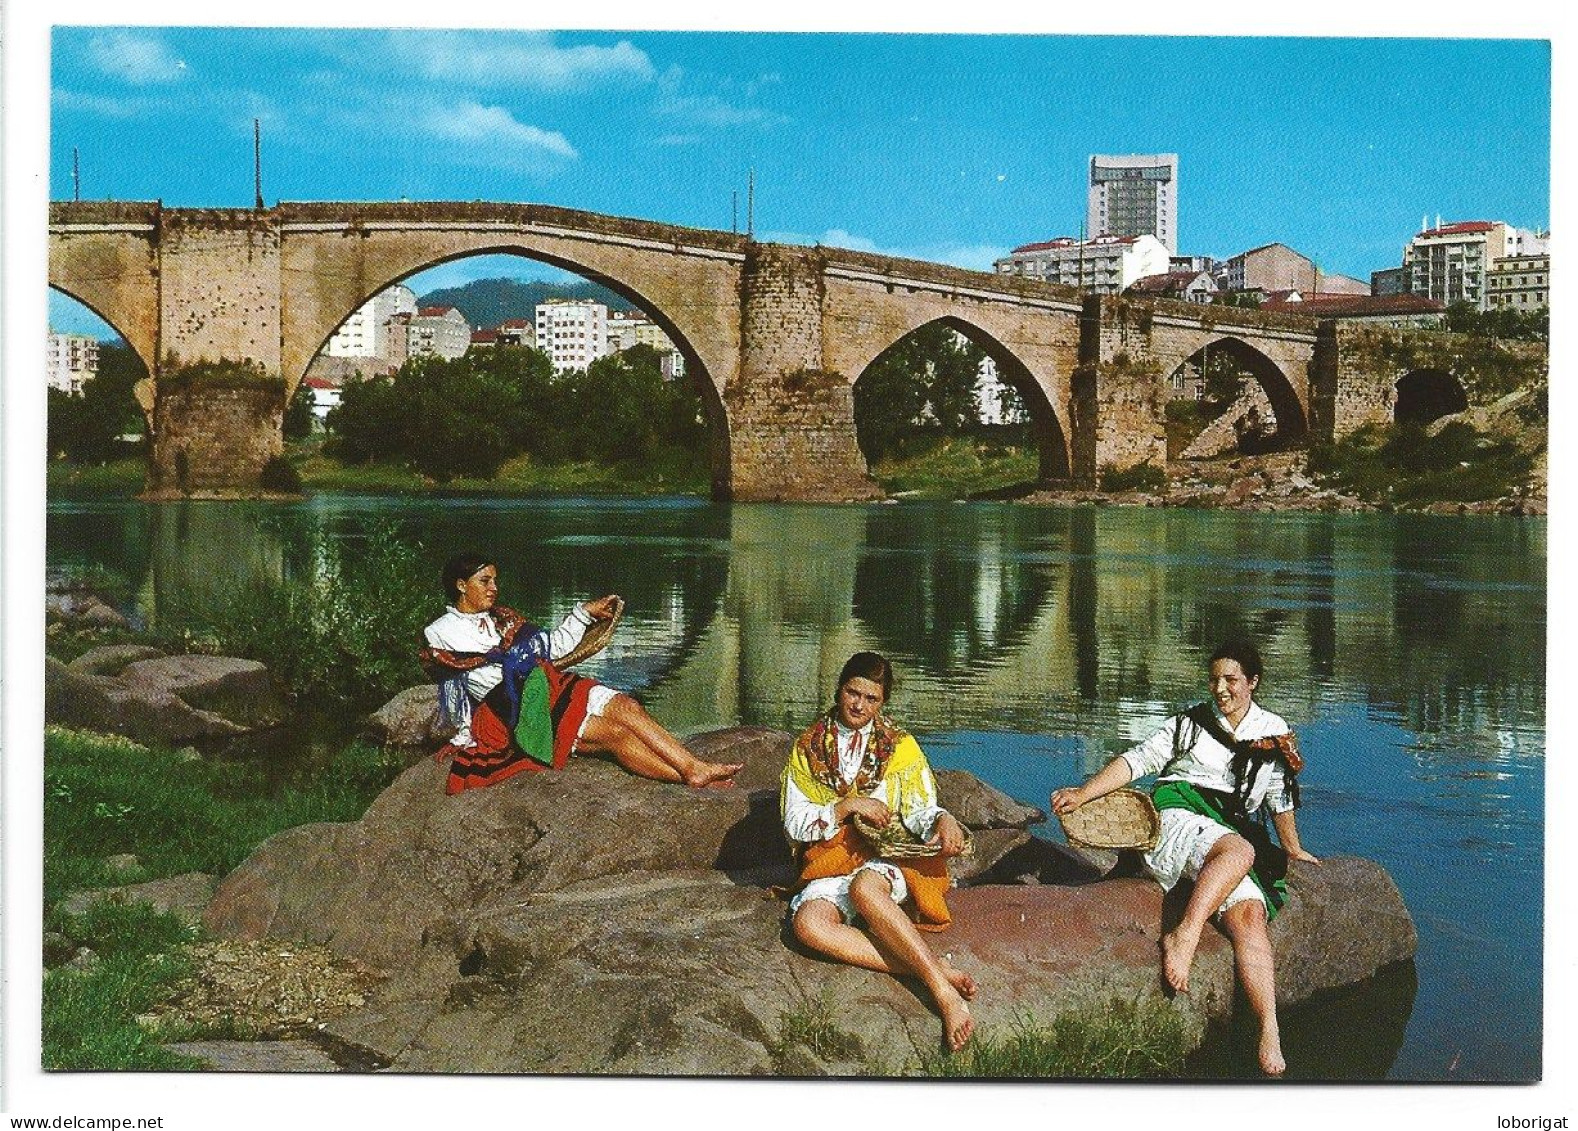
(598, 634)
(896, 842)
(1124, 818)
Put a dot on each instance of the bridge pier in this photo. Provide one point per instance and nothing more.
(791, 422)
(1118, 411)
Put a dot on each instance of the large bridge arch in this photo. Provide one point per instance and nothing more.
(1287, 408)
(108, 260)
(330, 266)
(145, 352)
(706, 382)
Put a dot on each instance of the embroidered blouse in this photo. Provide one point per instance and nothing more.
(807, 822)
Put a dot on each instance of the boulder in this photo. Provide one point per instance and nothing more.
(110, 659)
(185, 895)
(80, 608)
(589, 921)
(257, 1056)
(409, 721)
(169, 700)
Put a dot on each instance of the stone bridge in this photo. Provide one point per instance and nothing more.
(775, 336)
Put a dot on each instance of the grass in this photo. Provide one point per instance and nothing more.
(120, 477)
(812, 1026)
(105, 795)
(1139, 477)
(671, 473)
(1120, 1040)
(1402, 464)
(955, 468)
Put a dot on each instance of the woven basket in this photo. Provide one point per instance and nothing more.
(1124, 818)
(598, 634)
(896, 842)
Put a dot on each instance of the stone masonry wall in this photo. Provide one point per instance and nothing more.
(793, 423)
(1119, 401)
(1366, 362)
(214, 436)
(219, 287)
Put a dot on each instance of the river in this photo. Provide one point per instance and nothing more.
(1031, 644)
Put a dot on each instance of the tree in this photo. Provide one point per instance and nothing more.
(298, 414)
(926, 379)
(87, 427)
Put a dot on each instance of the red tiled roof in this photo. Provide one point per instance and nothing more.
(1467, 227)
(1329, 306)
(318, 383)
(484, 337)
(434, 311)
(1170, 281)
(1070, 241)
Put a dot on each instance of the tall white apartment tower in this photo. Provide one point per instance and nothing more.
(1134, 195)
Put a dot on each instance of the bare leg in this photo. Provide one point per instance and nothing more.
(1227, 863)
(625, 711)
(819, 925)
(1246, 926)
(896, 936)
(603, 735)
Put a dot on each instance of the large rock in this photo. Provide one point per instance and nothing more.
(82, 609)
(163, 699)
(589, 921)
(409, 721)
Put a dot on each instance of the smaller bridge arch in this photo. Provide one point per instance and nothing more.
(1047, 432)
(1426, 395)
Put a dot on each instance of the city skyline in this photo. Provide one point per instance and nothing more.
(668, 126)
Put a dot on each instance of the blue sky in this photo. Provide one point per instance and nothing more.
(953, 148)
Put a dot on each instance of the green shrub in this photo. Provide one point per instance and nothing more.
(280, 475)
(1137, 477)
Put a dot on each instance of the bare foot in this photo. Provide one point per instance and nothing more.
(1271, 1062)
(706, 773)
(959, 980)
(957, 1024)
(1178, 946)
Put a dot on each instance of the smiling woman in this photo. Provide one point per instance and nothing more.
(1219, 763)
(516, 710)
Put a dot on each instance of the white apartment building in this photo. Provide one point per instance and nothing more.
(1452, 262)
(1106, 265)
(365, 334)
(437, 331)
(71, 361)
(996, 402)
(572, 333)
(1134, 195)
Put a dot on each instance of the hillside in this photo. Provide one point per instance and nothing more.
(487, 302)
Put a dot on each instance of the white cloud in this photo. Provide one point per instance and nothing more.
(974, 257)
(728, 104)
(530, 60)
(97, 104)
(490, 135)
(133, 57)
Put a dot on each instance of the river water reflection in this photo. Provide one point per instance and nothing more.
(1033, 643)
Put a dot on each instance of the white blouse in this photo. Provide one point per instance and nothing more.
(805, 821)
(1208, 763)
(456, 631)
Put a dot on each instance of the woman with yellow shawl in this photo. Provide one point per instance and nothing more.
(854, 761)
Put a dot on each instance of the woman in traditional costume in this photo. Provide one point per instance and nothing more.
(1220, 763)
(855, 761)
(514, 710)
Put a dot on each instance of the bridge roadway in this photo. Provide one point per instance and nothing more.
(775, 336)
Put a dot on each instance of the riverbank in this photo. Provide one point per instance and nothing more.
(1368, 473)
